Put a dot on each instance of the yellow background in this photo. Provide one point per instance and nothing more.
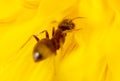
(95, 58)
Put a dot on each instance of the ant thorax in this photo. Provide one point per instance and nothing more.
(58, 38)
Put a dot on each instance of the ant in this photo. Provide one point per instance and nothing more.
(46, 46)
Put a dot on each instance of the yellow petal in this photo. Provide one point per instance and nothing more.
(90, 54)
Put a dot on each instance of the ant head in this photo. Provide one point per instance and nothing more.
(67, 24)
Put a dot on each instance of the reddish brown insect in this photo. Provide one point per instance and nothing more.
(46, 47)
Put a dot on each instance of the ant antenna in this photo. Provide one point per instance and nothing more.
(76, 18)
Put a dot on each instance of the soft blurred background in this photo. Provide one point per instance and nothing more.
(90, 54)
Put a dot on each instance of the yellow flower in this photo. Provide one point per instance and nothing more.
(90, 54)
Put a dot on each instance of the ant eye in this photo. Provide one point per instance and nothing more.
(37, 56)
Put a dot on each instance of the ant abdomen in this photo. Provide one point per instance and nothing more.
(43, 49)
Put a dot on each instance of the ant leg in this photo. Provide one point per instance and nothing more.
(9, 61)
(53, 31)
(37, 39)
(46, 33)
